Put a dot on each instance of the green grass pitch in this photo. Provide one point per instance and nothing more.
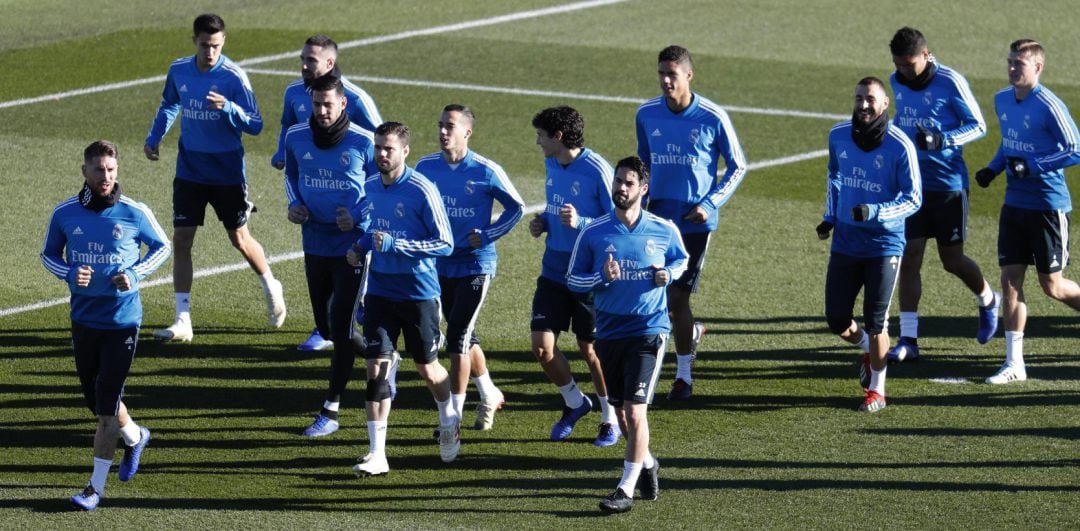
(771, 439)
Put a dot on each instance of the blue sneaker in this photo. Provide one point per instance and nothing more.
(315, 342)
(321, 427)
(565, 425)
(907, 349)
(680, 390)
(87, 500)
(988, 320)
(608, 436)
(129, 465)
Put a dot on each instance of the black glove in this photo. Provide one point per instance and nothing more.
(984, 176)
(928, 140)
(1018, 167)
(823, 229)
(860, 212)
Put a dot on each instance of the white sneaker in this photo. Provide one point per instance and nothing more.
(178, 331)
(391, 374)
(275, 303)
(485, 410)
(1008, 373)
(450, 441)
(371, 465)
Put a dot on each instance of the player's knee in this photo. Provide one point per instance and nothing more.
(838, 324)
(378, 389)
(1052, 286)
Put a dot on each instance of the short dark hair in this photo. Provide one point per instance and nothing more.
(907, 41)
(321, 41)
(99, 148)
(870, 81)
(397, 129)
(327, 83)
(675, 54)
(1028, 46)
(635, 165)
(463, 109)
(565, 119)
(209, 24)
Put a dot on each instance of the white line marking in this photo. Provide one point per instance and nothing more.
(490, 21)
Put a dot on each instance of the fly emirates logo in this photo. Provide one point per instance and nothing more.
(95, 253)
(196, 110)
(858, 179)
(673, 157)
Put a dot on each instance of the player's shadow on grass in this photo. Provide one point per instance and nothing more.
(1067, 433)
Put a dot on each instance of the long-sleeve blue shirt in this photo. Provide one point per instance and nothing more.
(631, 305)
(584, 183)
(210, 150)
(683, 151)
(469, 191)
(1039, 130)
(323, 180)
(885, 178)
(411, 213)
(359, 107)
(945, 106)
(109, 242)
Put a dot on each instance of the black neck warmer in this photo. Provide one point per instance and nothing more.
(97, 203)
(868, 137)
(920, 81)
(328, 137)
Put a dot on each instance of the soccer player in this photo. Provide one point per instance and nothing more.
(327, 160)
(318, 58)
(628, 259)
(216, 105)
(873, 185)
(408, 231)
(937, 111)
(470, 184)
(1038, 141)
(93, 244)
(578, 190)
(682, 136)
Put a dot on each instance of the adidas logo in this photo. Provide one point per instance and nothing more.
(183, 88)
(656, 132)
(1055, 263)
(899, 96)
(301, 108)
(538, 316)
(843, 154)
(307, 156)
(549, 183)
(478, 282)
(610, 248)
(1004, 117)
(129, 340)
(955, 235)
(77, 232)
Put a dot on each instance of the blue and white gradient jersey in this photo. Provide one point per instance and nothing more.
(411, 212)
(584, 183)
(946, 106)
(1041, 131)
(359, 107)
(632, 305)
(109, 242)
(469, 191)
(683, 151)
(209, 149)
(886, 179)
(325, 179)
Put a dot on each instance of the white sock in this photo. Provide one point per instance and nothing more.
(376, 430)
(986, 296)
(1014, 348)
(607, 411)
(877, 380)
(447, 414)
(101, 473)
(572, 395)
(331, 406)
(131, 433)
(458, 402)
(266, 278)
(484, 385)
(682, 369)
(183, 306)
(909, 324)
(630, 473)
(649, 461)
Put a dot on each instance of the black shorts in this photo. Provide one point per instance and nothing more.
(230, 202)
(462, 298)
(334, 288)
(697, 246)
(103, 359)
(943, 216)
(386, 319)
(631, 367)
(1039, 237)
(556, 309)
(847, 275)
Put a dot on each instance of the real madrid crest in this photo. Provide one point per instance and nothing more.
(879, 162)
(346, 160)
(695, 135)
(399, 210)
(650, 247)
(117, 232)
(575, 188)
(470, 187)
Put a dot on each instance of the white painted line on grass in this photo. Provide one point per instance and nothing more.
(490, 21)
